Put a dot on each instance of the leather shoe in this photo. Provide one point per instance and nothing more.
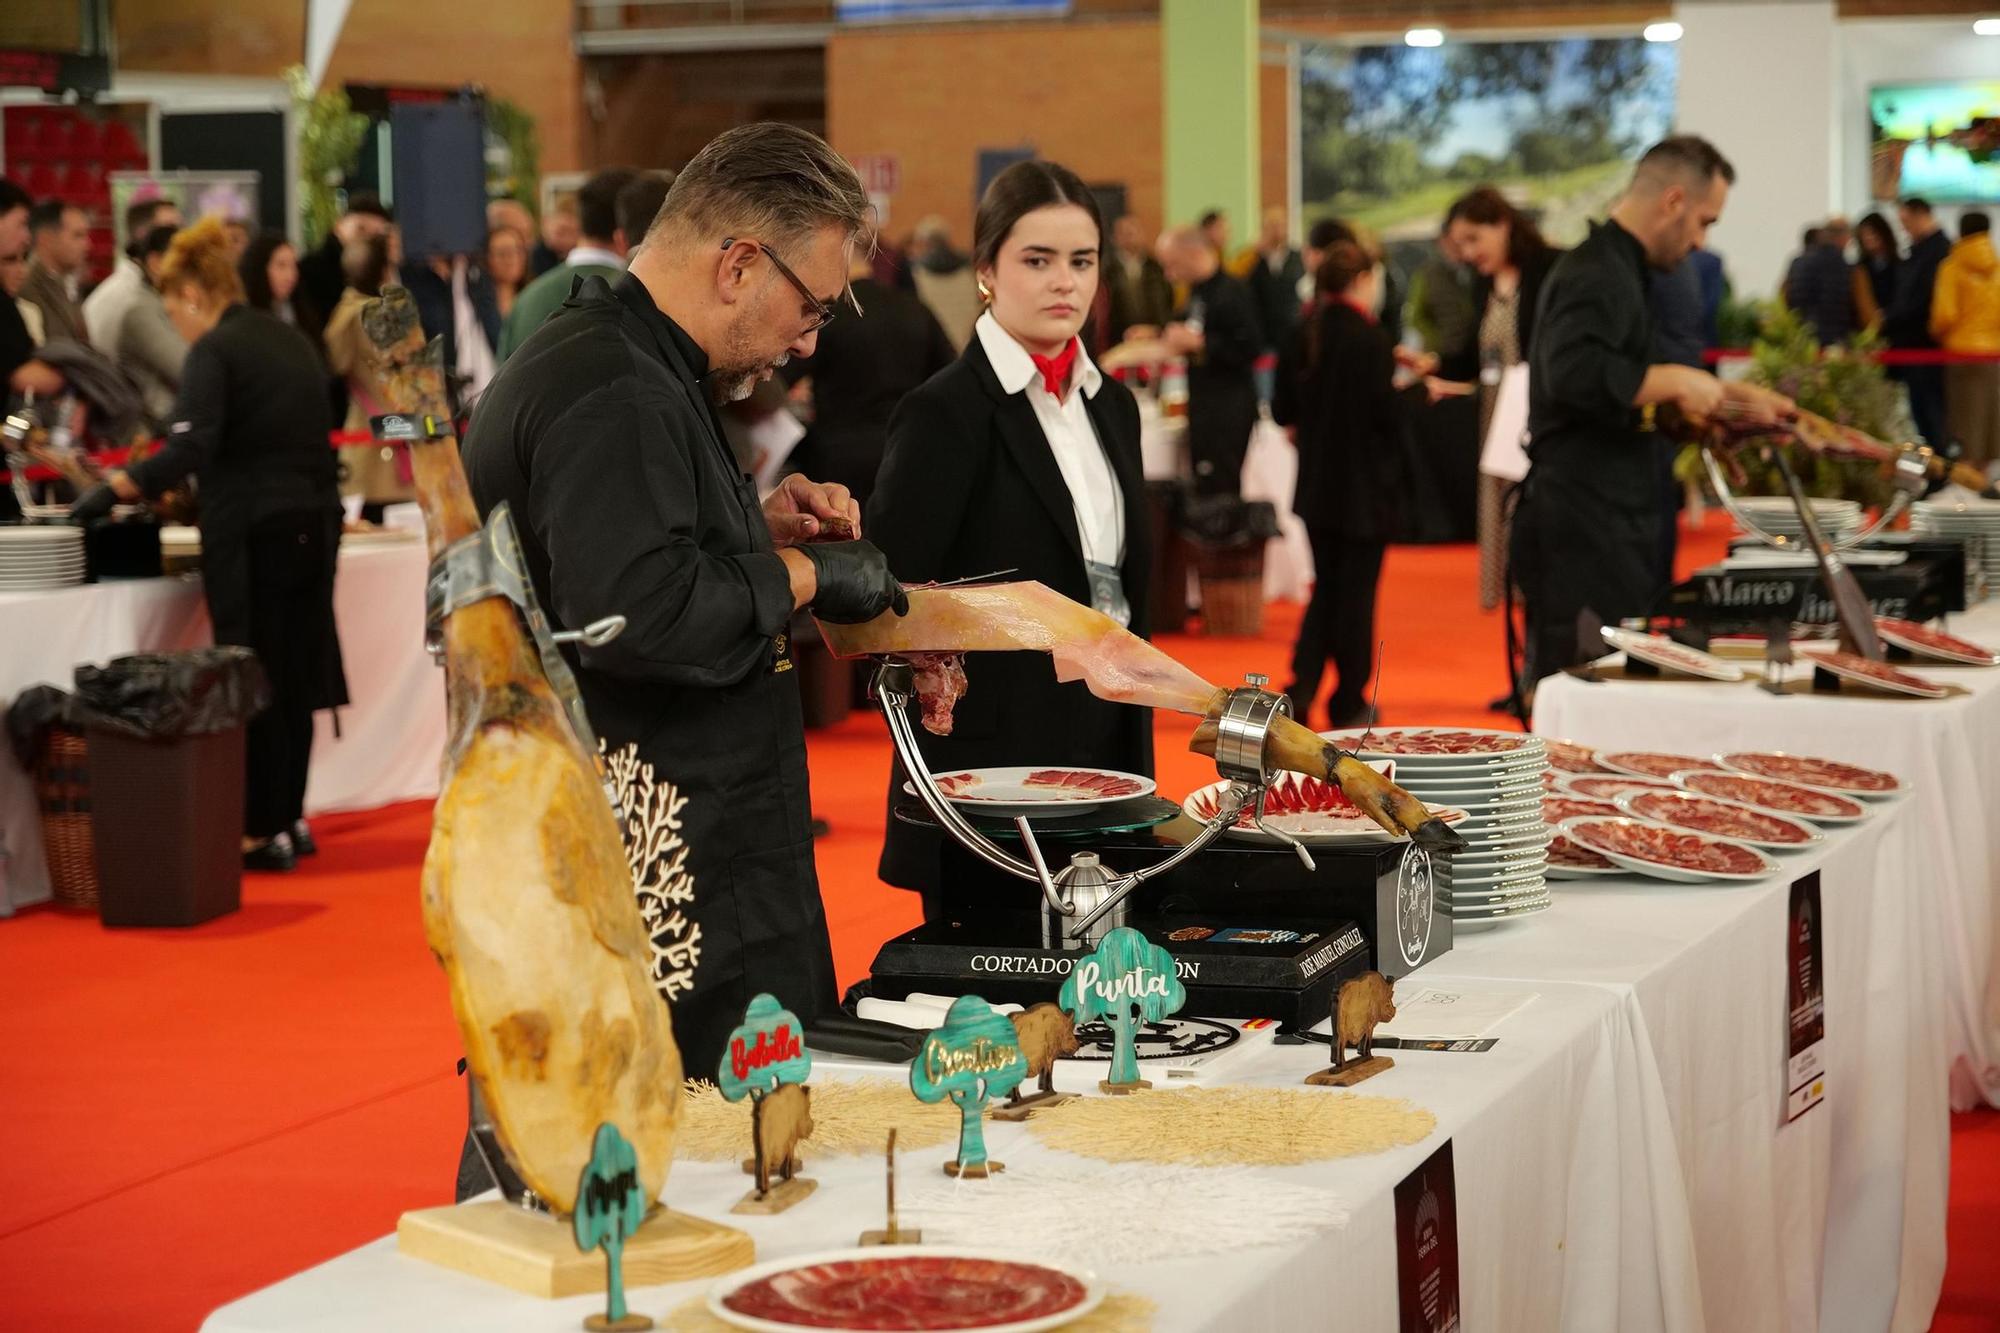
(302, 840)
(273, 855)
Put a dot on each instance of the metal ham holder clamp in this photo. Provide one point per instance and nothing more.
(1085, 891)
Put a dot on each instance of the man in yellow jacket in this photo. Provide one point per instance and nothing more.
(1965, 317)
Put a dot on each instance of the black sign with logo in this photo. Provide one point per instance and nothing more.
(1427, 1247)
(1805, 1001)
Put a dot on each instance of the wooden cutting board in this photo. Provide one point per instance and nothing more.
(536, 1254)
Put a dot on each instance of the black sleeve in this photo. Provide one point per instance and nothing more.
(928, 475)
(16, 347)
(1577, 357)
(1231, 336)
(1285, 388)
(612, 496)
(194, 432)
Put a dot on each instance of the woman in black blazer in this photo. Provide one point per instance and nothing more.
(1021, 456)
(1510, 261)
(1336, 388)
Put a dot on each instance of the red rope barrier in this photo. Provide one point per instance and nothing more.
(1888, 356)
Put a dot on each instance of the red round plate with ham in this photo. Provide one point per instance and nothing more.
(1649, 764)
(1610, 786)
(1572, 758)
(1666, 852)
(1830, 774)
(1430, 741)
(1928, 642)
(1725, 819)
(1878, 675)
(1785, 798)
(904, 1289)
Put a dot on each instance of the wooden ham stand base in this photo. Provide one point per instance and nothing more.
(980, 1172)
(537, 1254)
(1014, 1112)
(1120, 1089)
(1351, 1073)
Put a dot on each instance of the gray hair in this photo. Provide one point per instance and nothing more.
(768, 182)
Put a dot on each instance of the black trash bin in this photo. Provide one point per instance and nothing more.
(166, 781)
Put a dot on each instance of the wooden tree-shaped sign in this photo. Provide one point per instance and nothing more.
(974, 1056)
(767, 1061)
(1128, 980)
(610, 1205)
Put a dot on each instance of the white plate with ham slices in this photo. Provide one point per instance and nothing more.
(1867, 672)
(1724, 819)
(1609, 786)
(1666, 852)
(1569, 861)
(1038, 791)
(1569, 757)
(1657, 650)
(1649, 763)
(1825, 774)
(1934, 643)
(1312, 811)
(1780, 798)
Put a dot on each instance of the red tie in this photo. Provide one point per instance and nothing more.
(1055, 369)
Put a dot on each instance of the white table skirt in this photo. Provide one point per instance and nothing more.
(392, 734)
(1947, 749)
(1270, 472)
(1569, 1206)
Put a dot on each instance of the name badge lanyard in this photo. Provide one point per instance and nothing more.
(1107, 584)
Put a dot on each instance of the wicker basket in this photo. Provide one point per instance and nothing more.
(1232, 588)
(62, 792)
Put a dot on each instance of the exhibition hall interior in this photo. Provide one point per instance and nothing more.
(1000, 665)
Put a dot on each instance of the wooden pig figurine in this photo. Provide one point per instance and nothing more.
(782, 1119)
(1046, 1034)
(1360, 1004)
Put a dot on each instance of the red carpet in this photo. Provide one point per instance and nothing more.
(189, 1115)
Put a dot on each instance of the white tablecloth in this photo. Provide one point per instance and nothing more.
(1622, 1160)
(1569, 1207)
(1947, 749)
(391, 735)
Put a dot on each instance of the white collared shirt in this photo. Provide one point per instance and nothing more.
(580, 255)
(1093, 490)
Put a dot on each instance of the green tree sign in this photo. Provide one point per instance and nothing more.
(1128, 980)
(766, 1051)
(609, 1208)
(974, 1056)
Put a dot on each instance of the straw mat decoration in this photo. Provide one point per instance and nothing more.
(1232, 1126)
(850, 1117)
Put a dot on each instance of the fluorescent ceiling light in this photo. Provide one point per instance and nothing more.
(1424, 37)
(1666, 31)
(1986, 27)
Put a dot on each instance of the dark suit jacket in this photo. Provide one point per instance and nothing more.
(969, 485)
(61, 316)
(1148, 299)
(1341, 395)
(1534, 272)
(862, 368)
(432, 295)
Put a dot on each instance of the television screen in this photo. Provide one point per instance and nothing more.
(1938, 140)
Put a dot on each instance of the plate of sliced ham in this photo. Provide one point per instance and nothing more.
(903, 1289)
(1725, 819)
(1934, 643)
(1569, 861)
(1658, 650)
(1038, 791)
(1609, 786)
(1432, 742)
(1878, 675)
(1312, 811)
(1569, 757)
(1666, 852)
(1648, 764)
(1784, 798)
(1826, 774)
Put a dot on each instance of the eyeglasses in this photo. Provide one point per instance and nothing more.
(822, 311)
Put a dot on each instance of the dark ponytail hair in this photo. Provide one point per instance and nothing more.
(1488, 207)
(1344, 262)
(1019, 190)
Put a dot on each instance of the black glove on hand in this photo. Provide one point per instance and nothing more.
(94, 503)
(855, 584)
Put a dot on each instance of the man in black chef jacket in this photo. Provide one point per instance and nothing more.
(601, 434)
(1587, 533)
(1219, 334)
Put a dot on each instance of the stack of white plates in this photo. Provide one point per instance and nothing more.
(1975, 524)
(1777, 515)
(36, 557)
(1496, 778)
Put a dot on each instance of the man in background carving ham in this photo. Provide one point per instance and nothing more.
(601, 435)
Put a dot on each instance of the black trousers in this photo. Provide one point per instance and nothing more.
(1926, 386)
(1339, 624)
(288, 560)
(1572, 552)
(1220, 419)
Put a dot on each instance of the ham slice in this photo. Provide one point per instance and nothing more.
(527, 895)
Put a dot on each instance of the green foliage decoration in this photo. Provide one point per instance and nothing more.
(520, 176)
(330, 133)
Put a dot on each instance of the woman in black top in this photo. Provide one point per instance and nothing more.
(270, 273)
(1878, 264)
(1021, 456)
(1336, 389)
(251, 424)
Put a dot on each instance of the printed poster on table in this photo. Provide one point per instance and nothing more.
(1427, 1247)
(1805, 996)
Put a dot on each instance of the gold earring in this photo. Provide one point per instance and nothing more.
(985, 292)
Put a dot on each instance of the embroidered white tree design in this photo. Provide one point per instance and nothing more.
(649, 815)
